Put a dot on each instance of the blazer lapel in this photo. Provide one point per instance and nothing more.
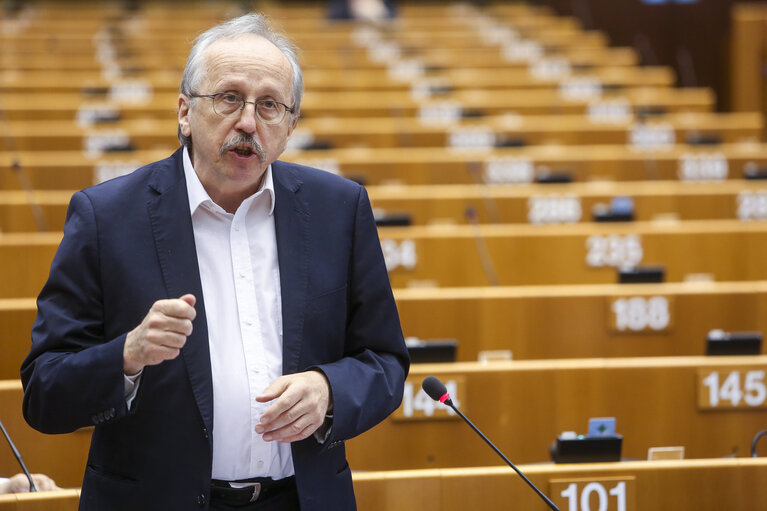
(291, 221)
(174, 242)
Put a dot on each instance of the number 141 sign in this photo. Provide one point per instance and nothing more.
(416, 405)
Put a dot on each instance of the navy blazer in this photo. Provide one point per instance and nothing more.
(129, 242)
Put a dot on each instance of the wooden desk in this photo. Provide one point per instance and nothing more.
(748, 52)
(701, 485)
(734, 485)
(523, 406)
(63, 500)
(72, 170)
(149, 36)
(541, 322)
(19, 210)
(77, 34)
(489, 132)
(537, 322)
(429, 81)
(727, 250)
(519, 130)
(522, 203)
(61, 457)
(604, 320)
(139, 101)
(430, 166)
(16, 319)
(24, 257)
(449, 255)
(449, 52)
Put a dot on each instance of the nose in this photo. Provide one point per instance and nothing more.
(247, 120)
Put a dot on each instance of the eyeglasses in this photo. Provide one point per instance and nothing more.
(229, 104)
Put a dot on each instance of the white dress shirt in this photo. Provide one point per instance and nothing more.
(237, 256)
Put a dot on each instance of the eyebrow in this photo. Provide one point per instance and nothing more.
(238, 87)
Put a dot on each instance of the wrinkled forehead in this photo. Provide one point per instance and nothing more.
(247, 58)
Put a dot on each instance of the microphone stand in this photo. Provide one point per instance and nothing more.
(18, 169)
(549, 503)
(18, 458)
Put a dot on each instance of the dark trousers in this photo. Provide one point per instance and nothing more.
(286, 500)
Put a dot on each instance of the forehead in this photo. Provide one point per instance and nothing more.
(244, 62)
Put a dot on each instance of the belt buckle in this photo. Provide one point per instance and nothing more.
(256, 492)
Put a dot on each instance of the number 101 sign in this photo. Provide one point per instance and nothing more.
(604, 494)
(416, 405)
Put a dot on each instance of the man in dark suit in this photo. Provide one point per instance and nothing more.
(223, 319)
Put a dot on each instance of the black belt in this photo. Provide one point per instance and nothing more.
(257, 489)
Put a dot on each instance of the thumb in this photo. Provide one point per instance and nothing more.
(189, 298)
(273, 391)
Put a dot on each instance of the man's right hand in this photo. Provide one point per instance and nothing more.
(161, 334)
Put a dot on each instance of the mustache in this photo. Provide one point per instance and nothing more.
(240, 140)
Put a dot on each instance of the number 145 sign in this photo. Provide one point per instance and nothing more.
(734, 388)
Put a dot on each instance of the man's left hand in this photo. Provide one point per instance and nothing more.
(301, 402)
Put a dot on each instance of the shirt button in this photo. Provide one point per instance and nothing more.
(236, 227)
(260, 464)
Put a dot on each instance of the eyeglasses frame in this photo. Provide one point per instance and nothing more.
(288, 109)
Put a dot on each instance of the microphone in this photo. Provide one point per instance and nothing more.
(755, 441)
(436, 390)
(479, 240)
(18, 457)
(491, 205)
(18, 169)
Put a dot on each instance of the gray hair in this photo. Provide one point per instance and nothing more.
(252, 23)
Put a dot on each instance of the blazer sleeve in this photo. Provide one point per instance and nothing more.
(367, 384)
(73, 377)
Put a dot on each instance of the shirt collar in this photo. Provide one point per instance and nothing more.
(198, 195)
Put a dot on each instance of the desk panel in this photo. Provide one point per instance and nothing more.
(62, 457)
(73, 170)
(529, 203)
(700, 485)
(612, 320)
(516, 254)
(523, 406)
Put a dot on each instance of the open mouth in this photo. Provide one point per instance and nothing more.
(244, 148)
(243, 151)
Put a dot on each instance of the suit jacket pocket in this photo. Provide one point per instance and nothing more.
(332, 299)
(107, 490)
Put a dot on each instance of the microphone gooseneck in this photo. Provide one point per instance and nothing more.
(482, 251)
(753, 442)
(436, 390)
(18, 458)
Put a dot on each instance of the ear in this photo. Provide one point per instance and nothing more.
(292, 125)
(184, 107)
